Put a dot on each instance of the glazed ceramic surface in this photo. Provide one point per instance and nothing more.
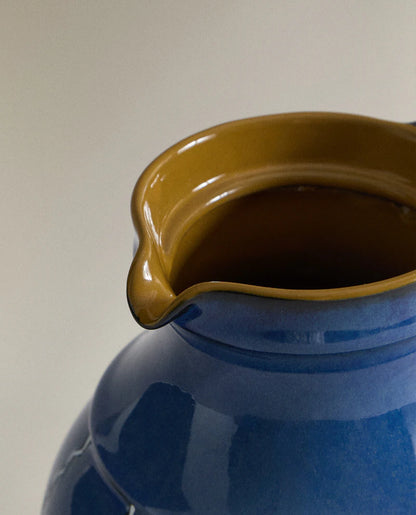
(283, 388)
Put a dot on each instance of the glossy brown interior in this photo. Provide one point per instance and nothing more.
(298, 237)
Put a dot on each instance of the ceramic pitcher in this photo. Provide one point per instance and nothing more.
(276, 273)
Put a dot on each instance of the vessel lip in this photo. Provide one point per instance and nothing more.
(182, 300)
(163, 304)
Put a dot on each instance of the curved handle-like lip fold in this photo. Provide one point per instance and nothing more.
(171, 183)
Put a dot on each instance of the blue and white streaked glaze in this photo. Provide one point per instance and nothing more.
(246, 405)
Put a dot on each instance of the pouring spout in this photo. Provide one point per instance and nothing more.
(149, 296)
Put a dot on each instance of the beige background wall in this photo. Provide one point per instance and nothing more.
(90, 92)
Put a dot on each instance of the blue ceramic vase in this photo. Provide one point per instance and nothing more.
(276, 275)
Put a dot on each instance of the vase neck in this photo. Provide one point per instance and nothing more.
(270, 325)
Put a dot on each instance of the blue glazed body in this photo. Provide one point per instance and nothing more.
(247, 405)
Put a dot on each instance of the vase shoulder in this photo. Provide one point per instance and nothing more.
(184, 430)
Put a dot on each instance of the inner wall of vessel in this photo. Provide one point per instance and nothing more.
(298, 237)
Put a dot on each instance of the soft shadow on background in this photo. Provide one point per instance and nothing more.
(90, 93)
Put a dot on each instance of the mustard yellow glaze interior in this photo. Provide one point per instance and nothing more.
(298, 238)
(337, 189)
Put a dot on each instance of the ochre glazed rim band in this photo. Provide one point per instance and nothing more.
(236, 158)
